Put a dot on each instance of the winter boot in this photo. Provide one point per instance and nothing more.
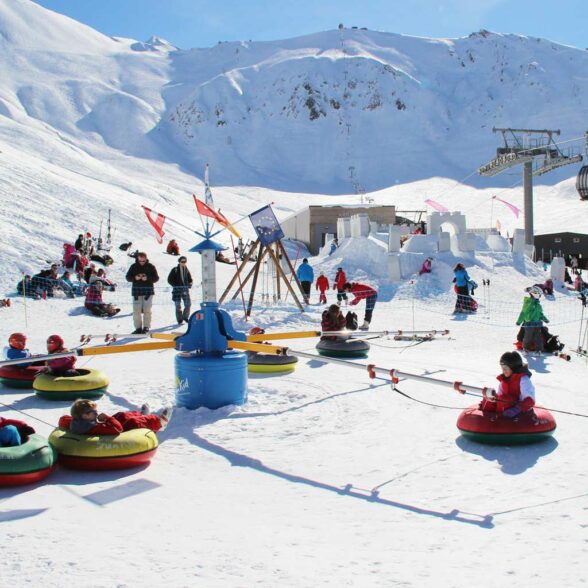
(365, 326)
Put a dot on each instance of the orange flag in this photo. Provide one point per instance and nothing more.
(205, 210)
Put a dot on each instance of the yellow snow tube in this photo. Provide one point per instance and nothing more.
(101, 452)
(89, 384)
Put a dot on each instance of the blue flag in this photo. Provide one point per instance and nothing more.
(266, 225)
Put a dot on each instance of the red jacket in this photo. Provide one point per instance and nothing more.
(62, 364)
(510, 394)
(109, 427)
(340, 280)
(322, 283)
(330, 324)
(361, 291)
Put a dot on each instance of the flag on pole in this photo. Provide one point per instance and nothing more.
(205, 210)
(207, 193)
(436, 205)
(156, 223)
(516, 211)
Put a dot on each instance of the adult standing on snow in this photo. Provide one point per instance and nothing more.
(322, 284)
(143, 276)
(180, 279)
(306, 277)
(339, 284)
(361, 291)
(462, 286)
(532, 319)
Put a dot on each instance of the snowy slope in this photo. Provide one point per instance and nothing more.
(333, 112)
(324, 477)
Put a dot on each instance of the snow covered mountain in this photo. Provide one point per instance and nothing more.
(339, 111)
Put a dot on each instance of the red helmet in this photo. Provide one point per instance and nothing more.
(256, 331)
(54, 343)
(17, 340)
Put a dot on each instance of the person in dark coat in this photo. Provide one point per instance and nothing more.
(143, 276)
(332, 320)
(180, 279)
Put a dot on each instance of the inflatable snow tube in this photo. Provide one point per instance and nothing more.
(349, 348)
(104, 452)
(262, 363)
(16, 377)
(89, 384)
(30, 462)
(493, 429)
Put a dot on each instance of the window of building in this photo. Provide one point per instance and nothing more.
(557, 240)
(576, 239)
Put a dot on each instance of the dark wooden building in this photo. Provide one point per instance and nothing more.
(566, 245)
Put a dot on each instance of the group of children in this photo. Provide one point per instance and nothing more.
(85, 418)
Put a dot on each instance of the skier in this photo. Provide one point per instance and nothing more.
(338, 284)
(532, 319)
(306, 277)
(173, 248)
(322, 284)
(516, 393)
(361, 291)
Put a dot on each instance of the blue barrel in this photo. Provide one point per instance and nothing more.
(211, 380)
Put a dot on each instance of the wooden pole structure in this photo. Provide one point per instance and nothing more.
(262, 252)
(283, 275)
(239, 270)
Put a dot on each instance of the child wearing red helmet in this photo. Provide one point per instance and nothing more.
(17, 349)
(61, 366)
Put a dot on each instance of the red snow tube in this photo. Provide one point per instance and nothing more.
(19, 377)
(492, 428)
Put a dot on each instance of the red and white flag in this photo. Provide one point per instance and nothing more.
(516, 211)
(205, 210)
(156, 223)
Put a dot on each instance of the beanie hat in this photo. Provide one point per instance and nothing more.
(512, 360)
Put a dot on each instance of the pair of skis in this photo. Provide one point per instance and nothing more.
(423, 335)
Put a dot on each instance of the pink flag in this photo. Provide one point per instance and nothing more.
(516, 211)
(157, 224)
(436, 205)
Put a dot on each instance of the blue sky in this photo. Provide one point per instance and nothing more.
(202, 23)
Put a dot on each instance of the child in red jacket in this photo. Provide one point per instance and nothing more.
(516, 393)
(338, 284)
(361, 291)
(332, 320)
(61, 366)
(322, 284)
(85, 420)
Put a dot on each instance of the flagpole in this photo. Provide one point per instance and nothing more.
(492, 210)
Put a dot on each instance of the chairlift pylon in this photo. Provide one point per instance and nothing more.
(582, 178)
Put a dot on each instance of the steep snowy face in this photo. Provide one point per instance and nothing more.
(358, 110)
(339, 111)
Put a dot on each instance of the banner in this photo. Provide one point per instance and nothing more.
(205, 210)
(266, 225)
(516, 211)
(157, 224)
(436, 205)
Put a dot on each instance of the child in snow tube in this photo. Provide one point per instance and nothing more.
(516, 393)
(62, 366)
(85, 420)
(13, 432)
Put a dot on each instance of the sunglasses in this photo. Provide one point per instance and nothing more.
(183, 261)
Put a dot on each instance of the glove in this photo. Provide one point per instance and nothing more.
(512, 412)
(518, 324)
(546, 321)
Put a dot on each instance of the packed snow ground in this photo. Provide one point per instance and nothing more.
(324, 477)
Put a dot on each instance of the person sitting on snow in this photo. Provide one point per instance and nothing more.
(426, 267)
(94, 302)
(516, 393)
(86, 420)
(332, 320)
(322, 284)
(13, 432)
(25, 288)
(61, 366)
(361, 291)
(173, 248)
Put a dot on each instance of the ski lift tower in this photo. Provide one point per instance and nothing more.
(522, 146)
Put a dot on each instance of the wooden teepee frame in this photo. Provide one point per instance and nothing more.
(254, 272)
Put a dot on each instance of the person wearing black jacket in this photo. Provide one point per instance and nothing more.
(181, 281)
(142, 275)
